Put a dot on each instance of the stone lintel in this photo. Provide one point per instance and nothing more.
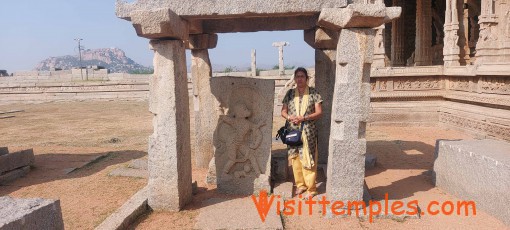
(201, 41)
(357, 15)
(159, 24)
(220, 9)
(321, 38)
(256, 24)
(195, 27)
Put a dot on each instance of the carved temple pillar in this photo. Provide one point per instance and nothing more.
(423, 54)
(203, 100)
(398, 39)
(324, 42)
(351, 95)
(487, 45)
(451, 50)
(169, 145)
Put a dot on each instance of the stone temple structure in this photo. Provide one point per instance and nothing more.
(342, 32)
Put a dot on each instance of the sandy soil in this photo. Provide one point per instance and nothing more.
(68, 135)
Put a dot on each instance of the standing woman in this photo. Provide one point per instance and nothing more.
(303, 105)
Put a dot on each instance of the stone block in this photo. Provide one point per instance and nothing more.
(4, 150)
(477, 170)
(321, 38)
(357, 16)
(16, 160)
(346, 169)
(127, 213)
(159, 24)
(138, 164)
(243, 134)
(202, 41)
(242, 214)
(227, 8)
(14, 174)
(34, 213)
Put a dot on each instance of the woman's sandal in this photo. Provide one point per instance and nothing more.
(300, 191)
(309, 196)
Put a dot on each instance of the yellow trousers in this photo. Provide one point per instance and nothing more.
(305, 178)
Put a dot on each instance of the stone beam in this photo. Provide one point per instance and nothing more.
(169, 145)
(357, 15)
(218, 9)
(159, 24)
(202, 41)
(321, 38)
(259, 24)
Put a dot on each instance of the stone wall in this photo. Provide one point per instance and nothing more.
(472, 99)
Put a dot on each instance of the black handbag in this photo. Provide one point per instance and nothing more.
(290, 137)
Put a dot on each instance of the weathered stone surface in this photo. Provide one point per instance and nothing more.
(244, 215)
(205, 105)
(32, 213)
(138, 164)
(284, 190)
(210, 178)
(357, 15)
(230, 25)
(321, 38)
(160, 23)
(243, 133)
(4, 150)
(347, 144)
(202, 41)
(477, 170)
(127, 213)
(130, 172)
(222, 8)
(16, 160)
(325, 66)
(14, 174)
(169, 145)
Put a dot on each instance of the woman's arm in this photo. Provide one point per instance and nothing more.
(285, 112)
(311, 117)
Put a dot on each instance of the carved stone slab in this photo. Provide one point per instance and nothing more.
(242, 137)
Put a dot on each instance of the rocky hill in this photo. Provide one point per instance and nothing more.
(113, 59)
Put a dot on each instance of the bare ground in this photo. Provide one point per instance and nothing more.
(68, 135)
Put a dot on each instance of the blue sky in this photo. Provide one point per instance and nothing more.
(32, 30)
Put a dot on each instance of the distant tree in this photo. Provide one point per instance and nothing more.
(289, 67)
(148, 71)
(230, 69)
(276, 67)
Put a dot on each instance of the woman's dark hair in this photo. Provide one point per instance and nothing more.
(301, 69)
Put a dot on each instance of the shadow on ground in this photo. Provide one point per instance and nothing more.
(57, 166)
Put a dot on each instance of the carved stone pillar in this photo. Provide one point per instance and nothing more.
(451, 50)
(487, 47)
(423, 55)
(169, 145)
(397, 38)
